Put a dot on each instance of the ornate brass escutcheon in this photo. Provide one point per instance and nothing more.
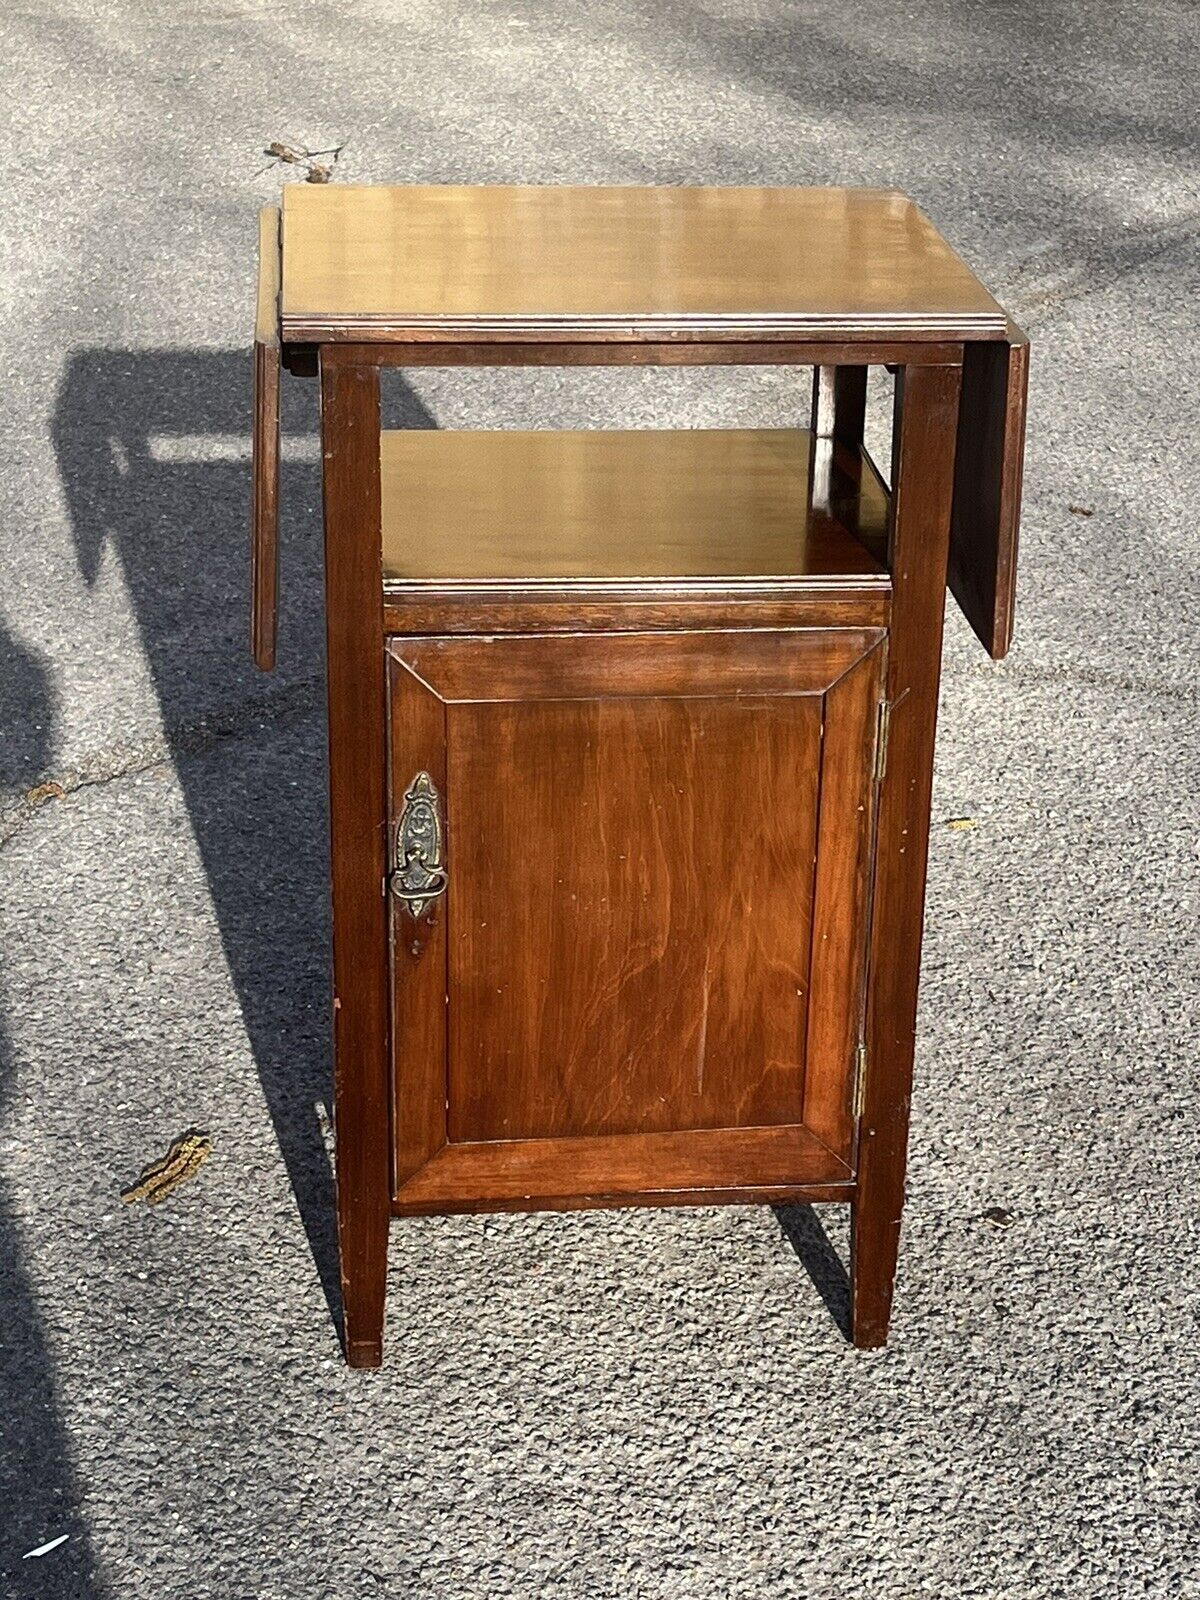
(419, 877)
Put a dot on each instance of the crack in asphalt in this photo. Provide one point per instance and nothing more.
(1085, 677)
(302, 697)
(190, 737)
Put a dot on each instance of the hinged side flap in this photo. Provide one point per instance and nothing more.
(987, 486)
(264, 506)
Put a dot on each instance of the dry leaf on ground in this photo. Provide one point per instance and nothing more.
(182, 1161)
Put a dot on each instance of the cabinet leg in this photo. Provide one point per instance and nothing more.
(365, 1353)
(358, 829)
(923, 475)
(364, 1285)
(839, 404)
(874, 1249)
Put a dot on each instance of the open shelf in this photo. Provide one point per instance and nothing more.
(717, 505)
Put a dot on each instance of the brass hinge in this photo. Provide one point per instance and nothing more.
(860, 1077)
(883, 727)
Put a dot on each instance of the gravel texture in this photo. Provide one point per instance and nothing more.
(625, 1406)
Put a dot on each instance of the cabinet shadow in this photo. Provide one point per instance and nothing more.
(38, 1487)
(804, 1231)
(153, 451)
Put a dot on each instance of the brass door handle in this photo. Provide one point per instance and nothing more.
(419, 876)
(417, 887)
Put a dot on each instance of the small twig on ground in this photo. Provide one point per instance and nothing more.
(288, 155)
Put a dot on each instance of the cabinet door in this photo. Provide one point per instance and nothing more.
(628, 910)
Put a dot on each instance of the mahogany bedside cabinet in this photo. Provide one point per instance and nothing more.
(631, 733)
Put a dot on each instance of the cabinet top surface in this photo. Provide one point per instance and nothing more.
(495, 262)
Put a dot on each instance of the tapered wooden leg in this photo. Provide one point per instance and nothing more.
(839, 408)
(839, 404)
(358, 828)
(923, 478)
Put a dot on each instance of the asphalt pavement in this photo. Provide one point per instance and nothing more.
(632, 1405)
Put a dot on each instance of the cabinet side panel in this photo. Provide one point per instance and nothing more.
(418, 944)
(630, 909)
(844, 839)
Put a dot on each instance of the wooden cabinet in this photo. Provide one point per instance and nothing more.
(631, 734)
